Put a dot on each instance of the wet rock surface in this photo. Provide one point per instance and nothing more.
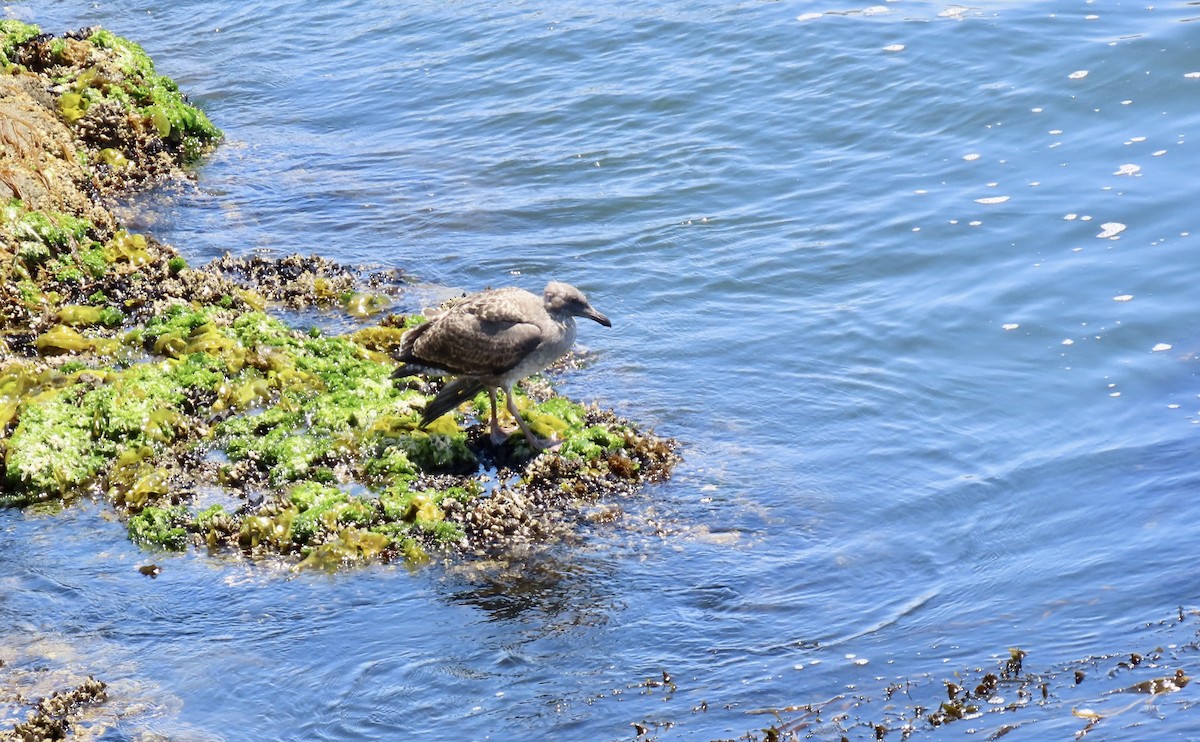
(294, 280)
(51, 715)
(54, 687)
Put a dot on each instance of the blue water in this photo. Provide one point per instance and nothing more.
(853, 260)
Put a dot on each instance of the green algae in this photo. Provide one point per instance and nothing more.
(274, 529)
(162, 527)
(113, 157)
(16, 382)
(320, 507)
(364, 305)
(13, 33)
(62, 339)
(72, 107)
(154, 96)
(562, 420)
(385, 461)
(138, 406)
(380, 340)
(350, 546)
(127, 247)
(51, 451)
(334, 401)
(39, 236)
(86, 315)
(439, 451)
(209, 518)
(325, 510)
(143, 484)
(65, 436)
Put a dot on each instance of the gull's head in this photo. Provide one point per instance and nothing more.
(565, 299)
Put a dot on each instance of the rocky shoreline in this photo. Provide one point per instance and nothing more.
(176, 395)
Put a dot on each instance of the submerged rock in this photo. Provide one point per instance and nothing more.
(51, 715)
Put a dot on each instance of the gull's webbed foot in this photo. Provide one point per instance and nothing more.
(542, 444)
(500, 435)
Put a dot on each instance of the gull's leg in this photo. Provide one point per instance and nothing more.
(538, 444)
(499, 435)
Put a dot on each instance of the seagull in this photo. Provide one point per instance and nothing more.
(491, 340)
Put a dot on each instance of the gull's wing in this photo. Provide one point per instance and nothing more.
(484, 334)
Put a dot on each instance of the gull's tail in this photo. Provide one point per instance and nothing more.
(452, 395)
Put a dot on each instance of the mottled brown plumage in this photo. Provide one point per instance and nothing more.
(491, 340)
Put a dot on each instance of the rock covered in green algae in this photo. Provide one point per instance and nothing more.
(108, 88)
(85, 115)
(13, 34)
(316, 423)
(159, 387)
(123, 124)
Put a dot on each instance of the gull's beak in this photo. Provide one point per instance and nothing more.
(593, 314)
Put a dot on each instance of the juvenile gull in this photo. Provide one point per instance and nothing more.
(491, 340)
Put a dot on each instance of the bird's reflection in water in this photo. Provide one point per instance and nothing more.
(560, 587)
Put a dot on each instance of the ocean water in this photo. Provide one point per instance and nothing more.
(913, 284)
